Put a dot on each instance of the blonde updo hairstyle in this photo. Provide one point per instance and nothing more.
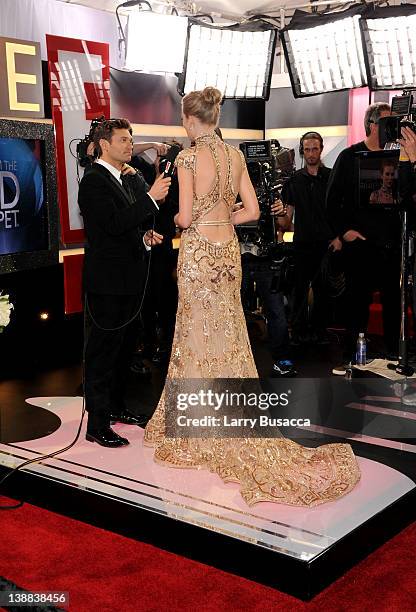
(204, 105)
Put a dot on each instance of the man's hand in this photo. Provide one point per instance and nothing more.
(126, 169)
(352, 235)
(152, 238)
(408, 143)
(160, 188)
(335, 244)
(91, 149)
(278, 208)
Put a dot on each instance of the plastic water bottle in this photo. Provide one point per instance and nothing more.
(361, 354)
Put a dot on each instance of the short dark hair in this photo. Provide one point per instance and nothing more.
(387, 163)
(372, 114)
(105, 131)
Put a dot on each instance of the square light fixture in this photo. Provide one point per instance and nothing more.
(324, 52)
(236, 59)
(389, 37)
(155, 42)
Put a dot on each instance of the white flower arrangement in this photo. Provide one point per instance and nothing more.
(5, 310)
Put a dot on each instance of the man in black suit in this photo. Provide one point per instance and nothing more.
(113, 208)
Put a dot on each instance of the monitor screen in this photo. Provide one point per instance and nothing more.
(378, 173)
(23, 214)
(28, 196)
(256, 149)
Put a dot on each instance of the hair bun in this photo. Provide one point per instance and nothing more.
(211, 95)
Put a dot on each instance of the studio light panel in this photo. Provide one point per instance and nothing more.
(156, 43)
(237, 63)
(327, 57)
(391, 47)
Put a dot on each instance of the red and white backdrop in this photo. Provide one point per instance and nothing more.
(79, 78)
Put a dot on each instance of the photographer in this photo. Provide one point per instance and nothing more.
(371, 244)
(304, 195)
(113, 208)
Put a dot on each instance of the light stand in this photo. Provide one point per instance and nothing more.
(127, 4)
(402, 366)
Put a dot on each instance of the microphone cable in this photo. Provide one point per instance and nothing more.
(83, 410)
(59, 451)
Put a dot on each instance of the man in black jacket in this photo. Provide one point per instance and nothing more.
(304, 195)
(113, 208)
(371, 244)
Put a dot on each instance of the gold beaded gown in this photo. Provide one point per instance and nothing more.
(211, 341)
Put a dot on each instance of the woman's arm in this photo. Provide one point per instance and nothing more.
(183, 218)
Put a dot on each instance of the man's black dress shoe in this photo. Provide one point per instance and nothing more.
(138, 367)
(129, 418)
(106, 437)
(161, 356)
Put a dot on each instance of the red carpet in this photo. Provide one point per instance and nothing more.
(40, 550)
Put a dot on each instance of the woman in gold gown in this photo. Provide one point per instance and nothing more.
(211, 339)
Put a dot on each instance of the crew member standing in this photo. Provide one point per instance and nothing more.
(304, 195)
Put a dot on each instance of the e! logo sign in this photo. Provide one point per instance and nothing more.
(21, 74)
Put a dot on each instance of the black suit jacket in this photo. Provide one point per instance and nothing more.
(115, 260)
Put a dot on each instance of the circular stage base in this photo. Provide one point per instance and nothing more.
(21, 423)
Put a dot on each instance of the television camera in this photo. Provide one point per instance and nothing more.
(403, 115)
(269, 166)
(84, 159)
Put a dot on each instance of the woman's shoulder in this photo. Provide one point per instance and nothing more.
(186, 158)
(236, 153)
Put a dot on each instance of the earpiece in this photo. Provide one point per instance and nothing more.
(311, 135)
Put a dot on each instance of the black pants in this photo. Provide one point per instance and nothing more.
(107, 355)
(260, 271)
(370, 267)
(308, 263)
(161, 301)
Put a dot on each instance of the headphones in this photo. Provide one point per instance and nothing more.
(310, 135)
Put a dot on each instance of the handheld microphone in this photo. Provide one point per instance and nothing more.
(170, 157)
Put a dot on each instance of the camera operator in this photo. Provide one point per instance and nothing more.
(160, 305)
(304, 195)
(259, 270)
(371, 244)
(113, 208)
